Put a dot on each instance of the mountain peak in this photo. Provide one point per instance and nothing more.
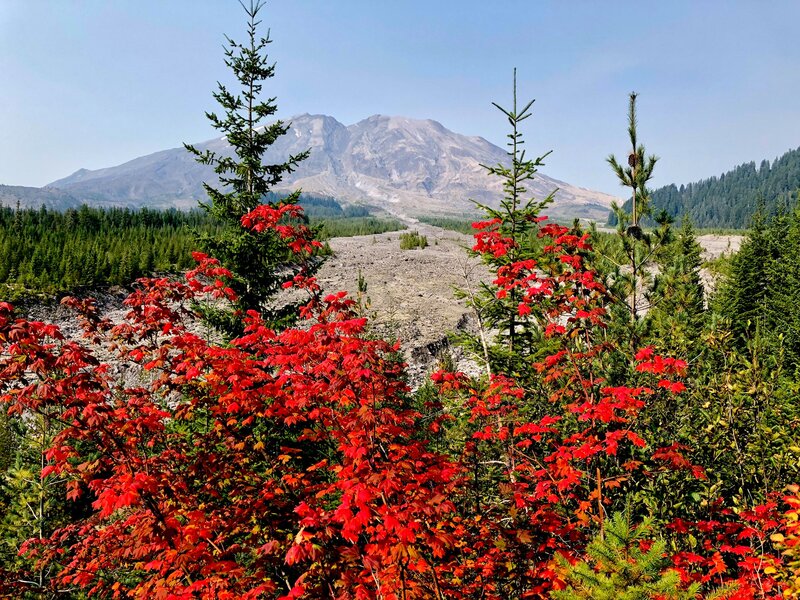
(400, 120)
(405, 165)
(310, 117)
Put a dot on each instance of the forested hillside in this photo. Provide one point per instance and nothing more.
(730, 200)
(32, 197)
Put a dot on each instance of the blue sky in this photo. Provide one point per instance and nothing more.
(92, 83)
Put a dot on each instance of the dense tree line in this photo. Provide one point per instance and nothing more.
(731, 199)
(321, 207)
(50, 251)
(759, 296)
(462, 225)
(351, 226)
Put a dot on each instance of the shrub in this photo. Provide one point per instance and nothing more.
(412, 240)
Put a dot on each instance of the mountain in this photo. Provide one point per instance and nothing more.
(731, 199)
(405, 166)
(33, 197)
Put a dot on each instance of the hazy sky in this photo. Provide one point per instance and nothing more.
(93, 83)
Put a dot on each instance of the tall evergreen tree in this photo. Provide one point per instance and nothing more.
(260, 262)
(639, 247)
(742, 297)
(783, 288)
(514, 227)
(637, 173)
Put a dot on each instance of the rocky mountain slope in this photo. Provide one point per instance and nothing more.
(405, 166)
(33, 197)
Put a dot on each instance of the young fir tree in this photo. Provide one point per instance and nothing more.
(515, 219)
(6, 442)
(624, 564)
(742, 296)
(33, 506)
(636, 174)
(260, 262)
(677, 303)
(783, 287)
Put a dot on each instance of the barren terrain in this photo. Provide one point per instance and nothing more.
(411, 291)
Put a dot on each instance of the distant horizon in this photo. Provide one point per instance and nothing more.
(96, 85)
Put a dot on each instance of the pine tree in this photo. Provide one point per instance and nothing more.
(677, 302)
(742, 296)
(637, 173)
(34, 504)
(6, 442)
(260, 262)
(783, 287)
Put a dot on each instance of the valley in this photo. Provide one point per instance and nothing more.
(409, 296)
(411, 291)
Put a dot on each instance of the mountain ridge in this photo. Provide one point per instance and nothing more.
(33, 197)
(405, 166)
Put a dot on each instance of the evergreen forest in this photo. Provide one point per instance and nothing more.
(47, 251)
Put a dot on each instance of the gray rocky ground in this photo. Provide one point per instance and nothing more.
(715, 246)
(411, 292)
